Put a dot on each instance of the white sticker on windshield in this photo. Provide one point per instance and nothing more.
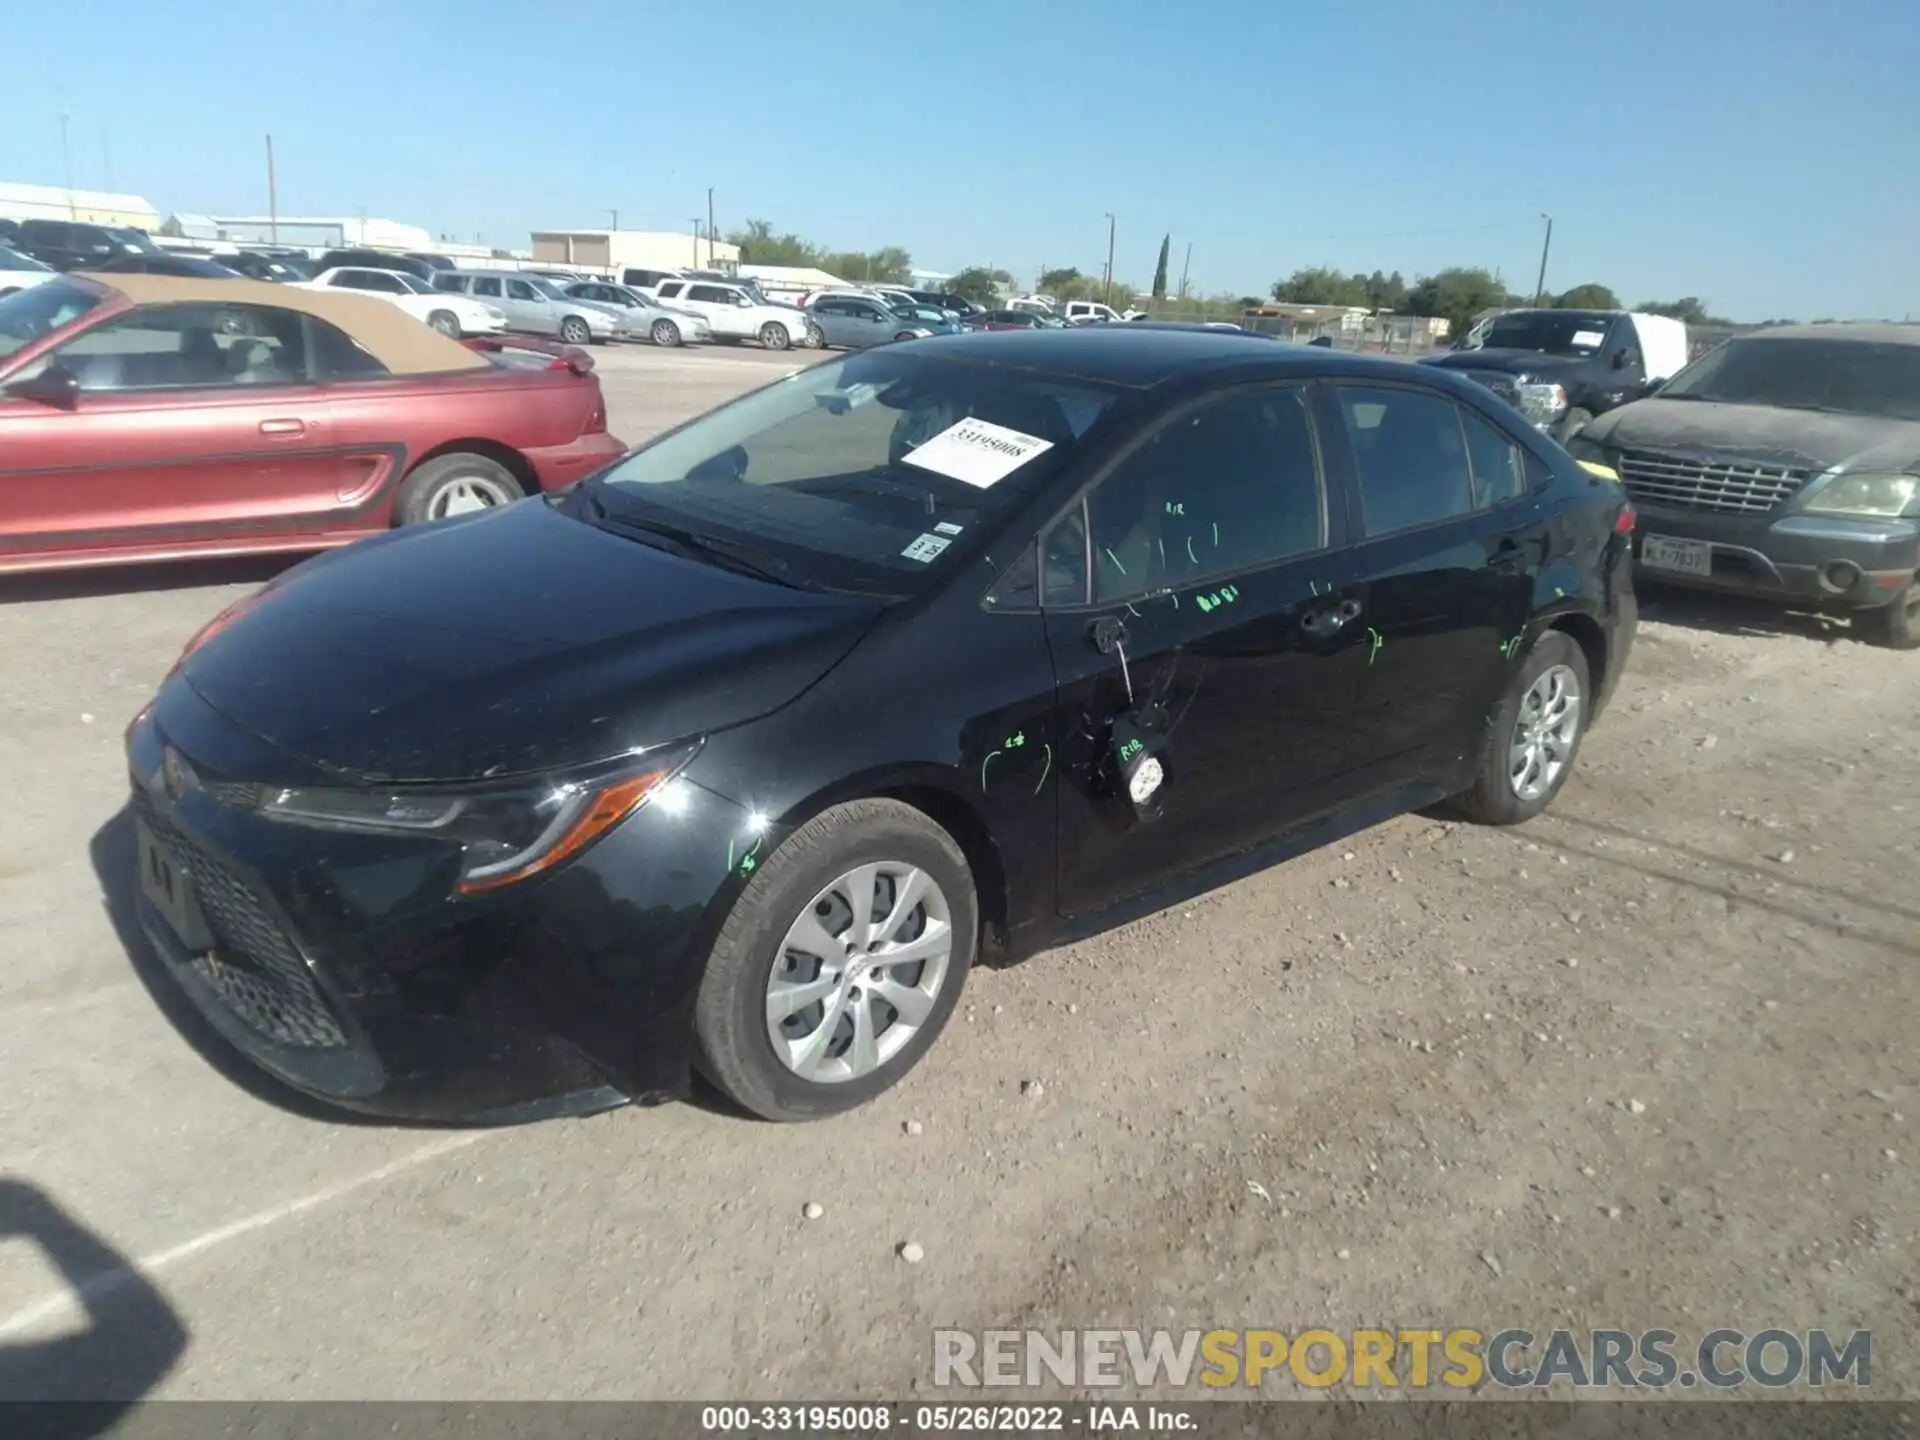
(977, 452)
(926, 548)
(1589, 337)
(947, 527)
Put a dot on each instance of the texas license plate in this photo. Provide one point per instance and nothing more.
(1664, 552)
(165, 885)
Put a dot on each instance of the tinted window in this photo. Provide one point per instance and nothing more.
(1231, 485)
(189, 347)
(669, 289)
(1499, 465)
(522, 290)
(1554, 332)
(486, 285)
(841, 471)
(711, 293)
(1854, 377)
(39, 310)
(1065, 559)
(444, 281)
(1410, 454)
(337, 356)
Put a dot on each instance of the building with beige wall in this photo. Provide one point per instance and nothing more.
(614, 250)
(56, 202)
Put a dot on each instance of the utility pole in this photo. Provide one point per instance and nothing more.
(1109, 294)
(1540, 287)
(695, 222)
(709, 224)
(1183, 270)
(273, 198)
(616, 218)
(66, 156)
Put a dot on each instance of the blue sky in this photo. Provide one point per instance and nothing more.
(1759, 154)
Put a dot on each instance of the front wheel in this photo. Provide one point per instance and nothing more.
(1895, 626)
(665, 332)
(446, 322)
(575, 331)
(1535, 735)
(774, 336)
(840, 963)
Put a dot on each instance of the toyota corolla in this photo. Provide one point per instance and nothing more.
(735, 757)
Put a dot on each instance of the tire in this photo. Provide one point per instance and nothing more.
(446, 322)
(774, 336)
(665, 332)
(1496, 797)
(455, 484)
(1895, 626)
(576, 331)
(806, 880)
(1571, 424)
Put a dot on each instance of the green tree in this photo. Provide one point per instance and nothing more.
(1160, 269)
(760, 246)
(889, 265)
(1386, 292)
(1055, 282)
(1688, 309)
(978, 284)
(1321, 285)
(1590, 296)
(1457, 293)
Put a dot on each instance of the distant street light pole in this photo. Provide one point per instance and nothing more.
(695, 222)
(1109, 295)
(1540, 286)
(273, 198)
(1183, 270)
(616, 218)
(709, 224)
(66, 156)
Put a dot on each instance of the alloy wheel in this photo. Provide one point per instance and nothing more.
(664, 333)
(774, 336)
(448, 325)
(575, 332)
(1544, 732)
(859, 970)
(464, 495)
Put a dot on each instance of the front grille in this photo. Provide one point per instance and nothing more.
(255, 968)
(1725, 486)
(1499, 382)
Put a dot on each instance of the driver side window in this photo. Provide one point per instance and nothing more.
(188, 347)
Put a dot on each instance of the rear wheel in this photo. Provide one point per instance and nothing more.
(774, 336)
(575, 331)
(1896, 626)
(840, 963)
(446, 322)
(665, 332)
(452, 485)
(1535, 735)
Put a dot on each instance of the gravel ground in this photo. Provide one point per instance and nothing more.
(1649, 1061)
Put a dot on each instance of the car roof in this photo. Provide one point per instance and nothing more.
(1142, 357)
(393, 337)
(1876, 332)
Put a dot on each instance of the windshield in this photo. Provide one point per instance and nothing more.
(413, 283)
(14, 260)
(545, 287)
(28, 314)
(857, 474)
(1855, 377)
(137, 239)
(755, 293)
(1551, 332)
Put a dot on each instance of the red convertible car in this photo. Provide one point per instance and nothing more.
(146, 417)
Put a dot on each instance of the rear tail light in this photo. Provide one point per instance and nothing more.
(597, 416)
(1624, 522)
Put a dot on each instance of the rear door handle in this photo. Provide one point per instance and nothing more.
(283, 427)
(1330, 618)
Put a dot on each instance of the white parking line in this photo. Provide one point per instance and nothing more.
(107, 1281)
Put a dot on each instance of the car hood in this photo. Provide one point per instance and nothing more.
(516, 640)
(1510, 362)
(1797, 439)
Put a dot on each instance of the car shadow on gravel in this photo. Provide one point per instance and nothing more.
(137, 579)
(1740, 615)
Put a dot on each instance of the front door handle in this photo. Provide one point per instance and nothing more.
(1329, 619)
(283, 427)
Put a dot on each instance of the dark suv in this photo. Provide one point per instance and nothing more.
(375, 260)
(1784, 463)
(76, 245)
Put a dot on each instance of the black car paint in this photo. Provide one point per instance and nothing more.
(968, 699)
(1614, 375)
(1781, 553)
(376, 260)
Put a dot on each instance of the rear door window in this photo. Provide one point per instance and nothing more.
(521, 290)
(1410, 456)
(1499, 464)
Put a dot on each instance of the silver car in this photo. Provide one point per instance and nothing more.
(534, 306)
(662, 324)
(854, 322)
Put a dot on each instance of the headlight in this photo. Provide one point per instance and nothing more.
(1540, 403)
(505, 833)
(1878, 496)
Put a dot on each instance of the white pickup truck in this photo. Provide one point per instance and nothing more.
(736, 313)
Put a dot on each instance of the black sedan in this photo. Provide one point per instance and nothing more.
(191, 267)
(736, 756)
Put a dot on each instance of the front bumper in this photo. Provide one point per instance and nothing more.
(341, 964)
(561, 465)
(1825, 560)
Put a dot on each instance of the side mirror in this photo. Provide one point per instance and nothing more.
(56, 386)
